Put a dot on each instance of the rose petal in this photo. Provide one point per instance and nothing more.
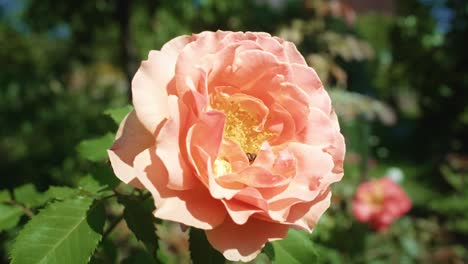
(131, 139)
(294, 100)
(149, 89)
(233, 153)
(240, 212)
(281, 123)
(171, 148)
(244, 242)
(307, 215)
(194, 207)
(313, 164)
(320, 130)
(174, 46)
(255, 177)
(285, 51)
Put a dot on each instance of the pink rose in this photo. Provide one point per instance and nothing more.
(380, 203)
(232, 133)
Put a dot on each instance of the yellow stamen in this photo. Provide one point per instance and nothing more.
(241, 126)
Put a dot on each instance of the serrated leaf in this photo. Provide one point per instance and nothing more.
(64, 232)
(29, 196)
(95, 149)
(296, 248)
(4, 196)
(9, 216)
(140, 220)
(118, 114)
(201, 250)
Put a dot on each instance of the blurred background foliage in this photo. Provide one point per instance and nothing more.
(397, 72)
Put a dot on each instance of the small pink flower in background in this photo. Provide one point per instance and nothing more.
(380, 202)
(232, 133)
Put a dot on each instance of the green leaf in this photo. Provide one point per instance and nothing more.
(4, 196)
(29, 196)
(64, 232)
(90, 184)
(96, 149)
(104, 175)
(201, 250)
(60, 192)
(140, 220)
(9, 216)
(410, 246)
(118, 114)
(296, 248)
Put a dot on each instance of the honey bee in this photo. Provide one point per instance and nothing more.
(251, 156)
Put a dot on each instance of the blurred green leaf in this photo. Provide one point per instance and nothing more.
(9, 216)
(96, 149)
(456, 180)
(450, 205)
(64, 232)
(201, 250)
(140, 220)
(5, 196)
(141, 257)
(118, 114)
(296, 248)
(410, 246)
(29, 196)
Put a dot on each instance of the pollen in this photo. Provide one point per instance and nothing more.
(241, 125)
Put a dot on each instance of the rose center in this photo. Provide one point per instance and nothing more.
(242, 126)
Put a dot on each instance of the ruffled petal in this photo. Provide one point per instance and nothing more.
(149, 89)
(313, 164)
(174, 46)
(244, 242)
(171, 146)
(255, 177)
(284, 50)
(131, 139)
(320, 130)
(194, 207)
(307, 215)
(281, 123)
(240, 212)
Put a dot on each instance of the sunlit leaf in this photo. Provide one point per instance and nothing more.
(64, 232)
(118, 114)
(96, 149)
